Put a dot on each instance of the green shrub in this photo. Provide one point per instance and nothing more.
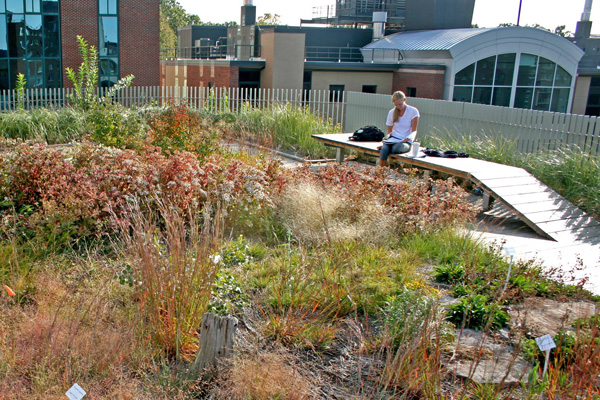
(477, 312)
(62, 125)
(449, 273)
(116, 126)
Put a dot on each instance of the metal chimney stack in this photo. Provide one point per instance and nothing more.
(587, 10)
(379, 20)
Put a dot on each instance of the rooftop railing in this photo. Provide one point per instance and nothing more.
(224, 52)
(335, 54)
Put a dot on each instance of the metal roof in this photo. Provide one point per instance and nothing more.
(440, 39)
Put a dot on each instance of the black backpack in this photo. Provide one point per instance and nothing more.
(367, 133)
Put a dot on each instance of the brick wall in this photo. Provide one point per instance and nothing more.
(200, 73)
(139, 42)
(78, 17)
(429, 83)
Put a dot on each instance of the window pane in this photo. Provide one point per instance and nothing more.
(560, 100)
(16, 67)
(51, 36)
(50, 6)
(35, 74)
(4, 85)
(3, 42)
(15, 25)
(2, 8)
(501, 96)
(109, 36)
(32, 6)
(505, 69)
(14, 6)
(485, 71)
(465, 76)
(463, 94)
(109, 66)
(112, 7)
(102, 7)
(53, 74)
(545, 75)
(108, 81)
(541, 99)
(527, 69)
(523, 97)
(482, 95)
(563, 78)
(34, 35)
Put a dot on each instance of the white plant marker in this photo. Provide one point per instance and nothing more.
(545, 343)
(75, 392)
(510, 251)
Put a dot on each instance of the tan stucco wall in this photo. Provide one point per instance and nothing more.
(580, 95)
(353, 81)
(284, 56)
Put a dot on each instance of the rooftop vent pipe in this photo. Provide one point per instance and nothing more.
(379, 20)
(587, 10)
(247, 2)
(584, 27)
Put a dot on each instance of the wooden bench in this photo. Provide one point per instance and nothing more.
(540, 207)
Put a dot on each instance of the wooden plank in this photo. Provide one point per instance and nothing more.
(502, 182)
(534, 187)
(555, 214)
(586, 235)
(549, 205)
(570, 224)
(547, 195)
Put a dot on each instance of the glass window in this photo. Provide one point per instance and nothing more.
(527, 70)
(485, 71)
(107, 7)
(2, 6)
(4, 81)
(465, 76)
(15, 27)
(53, 74)
(109, 66)
(50, 6)
(14, 6)
(16, 66)
(35, 74)
(462, 93)
(51, 36)
(32, 6)
(501, 96)
(563, 78)
(3, 42)
(482, 95)
(108, 81)
(560, 100)
(505, 70)
(523, 97)
(545, 74)
(541, 99)
(109, 36)
(33, 31)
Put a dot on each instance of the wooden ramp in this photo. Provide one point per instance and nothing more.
(540, 207)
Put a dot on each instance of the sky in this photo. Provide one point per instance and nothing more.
(487, 13)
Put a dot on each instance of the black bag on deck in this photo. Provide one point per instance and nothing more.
(367, 133)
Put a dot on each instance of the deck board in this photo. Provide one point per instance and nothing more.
(540, 207)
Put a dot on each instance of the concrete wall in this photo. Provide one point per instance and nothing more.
(352, 81)
(580, 96)
(284, 56)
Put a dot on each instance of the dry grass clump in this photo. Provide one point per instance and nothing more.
(315, 214)
(266, 375)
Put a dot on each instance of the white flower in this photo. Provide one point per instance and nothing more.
(216, 258)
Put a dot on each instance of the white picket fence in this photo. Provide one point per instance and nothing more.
(533, 131)
(326, 104)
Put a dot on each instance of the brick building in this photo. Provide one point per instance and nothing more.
(38, 39)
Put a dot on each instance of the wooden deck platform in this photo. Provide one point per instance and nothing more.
(541, 208)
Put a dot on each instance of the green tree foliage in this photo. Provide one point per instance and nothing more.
(269, 19)
(173, 16)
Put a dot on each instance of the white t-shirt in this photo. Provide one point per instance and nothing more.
(401, 129)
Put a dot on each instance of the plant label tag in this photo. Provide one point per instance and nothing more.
(545, 342)
(75, 393)
(510, 251)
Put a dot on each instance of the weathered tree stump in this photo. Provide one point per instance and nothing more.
(216, 340)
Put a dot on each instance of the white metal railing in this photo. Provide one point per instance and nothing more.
(532, 130)
(326, 104)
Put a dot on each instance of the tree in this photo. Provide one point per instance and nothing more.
(560, 31)
(173, 16)
(269, 19)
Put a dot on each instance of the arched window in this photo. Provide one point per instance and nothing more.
(540, 84)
